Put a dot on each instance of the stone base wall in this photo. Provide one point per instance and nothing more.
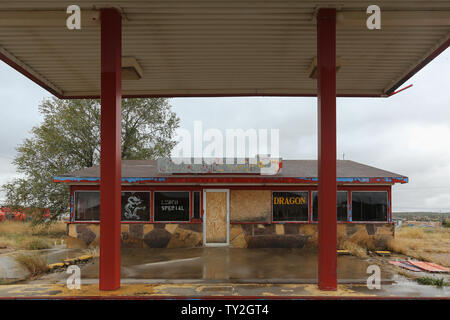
(137, 235)
(171, 235)
(295, 235)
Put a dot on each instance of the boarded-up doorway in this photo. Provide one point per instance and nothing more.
(216, 217)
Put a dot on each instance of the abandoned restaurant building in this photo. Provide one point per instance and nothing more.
(170, 206)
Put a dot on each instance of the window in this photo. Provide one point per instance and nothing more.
(87, 206)
(341, 205)
(171, 206)
(290, 206)
(135, 206)
(196, 214)
(369, 206)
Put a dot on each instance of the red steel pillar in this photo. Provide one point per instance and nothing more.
(110, 155)
(326, 97)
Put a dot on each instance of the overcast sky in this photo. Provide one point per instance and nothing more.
(408, 133)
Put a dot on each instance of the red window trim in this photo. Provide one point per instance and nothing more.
(191, 189)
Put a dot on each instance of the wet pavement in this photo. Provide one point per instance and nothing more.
(11, 271)
(60, 253)
(195, 290)
(206, 272)
(233, 265)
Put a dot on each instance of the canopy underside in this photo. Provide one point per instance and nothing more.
(224, 48)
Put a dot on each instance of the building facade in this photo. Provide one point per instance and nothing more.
(240, 210)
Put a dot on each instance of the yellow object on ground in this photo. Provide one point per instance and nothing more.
(85, 257)
(56, 265)
(383, 253)
(68, 262)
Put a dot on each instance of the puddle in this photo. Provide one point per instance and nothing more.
(229, 264)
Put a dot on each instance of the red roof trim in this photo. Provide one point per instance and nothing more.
(236, 180)
(24, 72)
(421, 65)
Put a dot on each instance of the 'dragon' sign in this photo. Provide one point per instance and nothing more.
(290, 206)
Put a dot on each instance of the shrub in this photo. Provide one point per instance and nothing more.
(37, 244)
(5, 243)
(362, 239)
(428, 281)
(355, 249)
(52, 230)
(411, 233)
(33, 262)
(446, 223)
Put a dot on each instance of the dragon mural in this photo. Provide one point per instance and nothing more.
(132, 207)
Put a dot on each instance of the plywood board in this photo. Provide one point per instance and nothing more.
(216, 217)
(250, 205)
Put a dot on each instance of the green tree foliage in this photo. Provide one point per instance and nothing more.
(68, 139)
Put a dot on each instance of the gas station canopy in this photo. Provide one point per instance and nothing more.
(222, 47)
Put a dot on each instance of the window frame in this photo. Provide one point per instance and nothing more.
(337, 191)
(308, 191)
(200, 205)
(149, 207)
(372, 221)
(152, 213)
(349, 189)
(75, 207)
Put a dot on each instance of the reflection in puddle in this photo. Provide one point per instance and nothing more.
(232, 264)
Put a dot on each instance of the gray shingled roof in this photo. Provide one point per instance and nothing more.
(291, 168)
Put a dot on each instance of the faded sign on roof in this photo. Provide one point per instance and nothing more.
(263, 165)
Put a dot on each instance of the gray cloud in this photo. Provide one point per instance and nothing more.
(19, 100)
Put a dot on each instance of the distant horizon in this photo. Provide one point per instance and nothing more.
(446, 211)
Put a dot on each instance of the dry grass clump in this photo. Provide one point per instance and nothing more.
(410, 233)
(362, 239)
(23, 235)
(429, 244)
(424, 244)
(94, 252)
(399, 245)
(33, 262)
(5, 243)
(10, 226)
(53, 230)
(354, 249)
(36, 244)
(357, 244)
